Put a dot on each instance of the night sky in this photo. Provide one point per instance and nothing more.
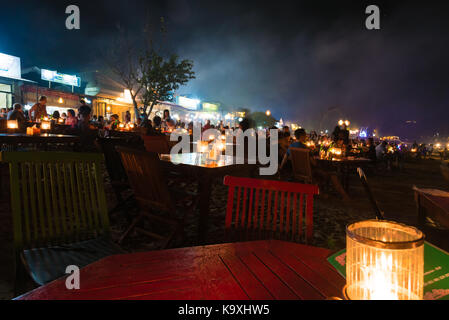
(296, 58)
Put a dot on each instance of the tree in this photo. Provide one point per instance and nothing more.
(142, 69)
(161, 77)
(262, 120)
(122, 61)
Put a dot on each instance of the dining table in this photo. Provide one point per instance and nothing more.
(11, 141)
(344, 166)
(198, 167)
(257, 270)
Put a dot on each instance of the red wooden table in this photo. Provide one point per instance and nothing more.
(261, 270)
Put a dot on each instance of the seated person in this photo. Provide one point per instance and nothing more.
(381, 150)
(301, 137)
(71, 120)
(371, 153)
(85, 130)
(154, 128)
(56, 115)
(17, 114)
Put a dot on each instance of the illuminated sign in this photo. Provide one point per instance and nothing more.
(10, 66)
(126, 97)
(210, 106)
(54, 76)
(188, 103)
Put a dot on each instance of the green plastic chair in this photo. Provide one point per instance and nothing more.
(59, 212)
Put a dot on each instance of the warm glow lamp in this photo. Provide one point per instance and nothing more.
(45, 125)
(384, 261)
(12, 124)
(202, 146)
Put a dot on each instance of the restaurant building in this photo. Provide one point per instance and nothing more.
(111, 97)
(63, 91)
(10, 80)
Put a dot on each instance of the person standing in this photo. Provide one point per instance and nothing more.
(39, 110)
(127, 117)
(85, 130)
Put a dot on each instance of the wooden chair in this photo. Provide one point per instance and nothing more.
(157, 144)
(59, 212)
(375, 206)
(251, 213)
(3, 125)
(302, 169)
(151, 191)
(114, 166)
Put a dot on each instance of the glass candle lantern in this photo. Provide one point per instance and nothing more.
(45, 125)
(12, 124)
(202, 146)
(384, 261)
(220, 146)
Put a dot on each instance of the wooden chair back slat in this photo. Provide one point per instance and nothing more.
(294, 216)
(275, 211)
(301, 214)
(256, 208)
(47, 199)
(146, 178)
(287, 222)
(302, 169)
(46, 230)
(250, 208)
(282, 214)
(156, 144)
(64, 185)
(249, 216)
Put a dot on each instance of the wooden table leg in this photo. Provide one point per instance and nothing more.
(205, 190)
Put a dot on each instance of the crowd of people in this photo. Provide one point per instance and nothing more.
(81, 120)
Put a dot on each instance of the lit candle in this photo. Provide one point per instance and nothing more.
(220, 146)
(202, 146)
(13, 124)
(384, 261)
(45, 125)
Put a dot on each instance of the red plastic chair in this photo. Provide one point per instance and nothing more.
(260, 209)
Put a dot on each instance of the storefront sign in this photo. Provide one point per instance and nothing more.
(191, 104)
(210, 107)
(54, 76)
(10, 66)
